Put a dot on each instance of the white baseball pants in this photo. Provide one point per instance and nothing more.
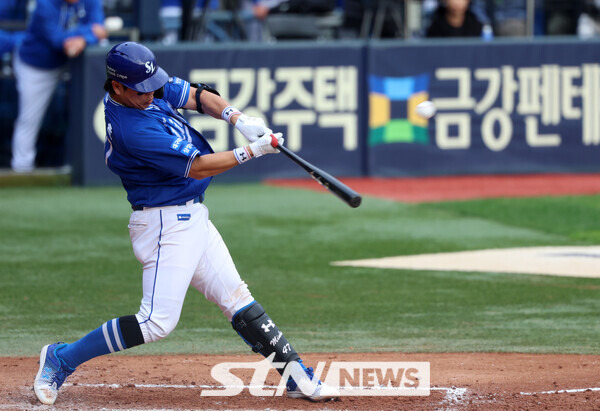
(35, 87)
(179, 246)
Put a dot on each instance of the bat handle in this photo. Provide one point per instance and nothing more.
(274, 141)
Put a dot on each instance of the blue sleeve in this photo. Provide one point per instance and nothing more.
(8, 40)
(95, 15)
(45, 22)
(177, 92)
(161, 146)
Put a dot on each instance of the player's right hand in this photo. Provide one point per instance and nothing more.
(252, 127)
(263, 145)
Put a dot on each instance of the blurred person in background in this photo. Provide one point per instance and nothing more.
(172, 17)
(588, 24)
(13, 12)
(184, 20)
(59, 30)
(262, 8)
(356, 14)
(274, 17)
(551, 17)
(562, 16)
(454, 18)
(507, 17)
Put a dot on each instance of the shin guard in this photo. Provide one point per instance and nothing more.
(258, 331)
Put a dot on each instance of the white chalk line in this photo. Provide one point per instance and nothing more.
(575, 390)
(451, 392)
(453, 395)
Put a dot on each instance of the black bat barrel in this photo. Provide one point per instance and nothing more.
(345, 193)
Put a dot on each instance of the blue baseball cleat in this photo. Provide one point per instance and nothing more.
(309, 389)
(51, 375)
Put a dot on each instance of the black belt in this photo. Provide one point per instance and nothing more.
(197, 200)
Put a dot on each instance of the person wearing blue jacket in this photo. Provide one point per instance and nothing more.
(58, 31)
(12, 11)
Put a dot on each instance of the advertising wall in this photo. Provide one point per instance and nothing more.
(503, 107)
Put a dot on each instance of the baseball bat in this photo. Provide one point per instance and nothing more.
(345, 193)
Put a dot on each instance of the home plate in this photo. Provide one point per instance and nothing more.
(582, 261)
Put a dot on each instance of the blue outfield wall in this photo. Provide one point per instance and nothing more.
(503, 107)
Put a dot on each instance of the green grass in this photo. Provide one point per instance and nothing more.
(66, 266)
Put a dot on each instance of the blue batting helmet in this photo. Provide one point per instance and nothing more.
(134, 66)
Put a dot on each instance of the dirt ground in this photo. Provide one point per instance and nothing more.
(461, 381)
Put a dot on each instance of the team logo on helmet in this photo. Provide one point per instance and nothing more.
(150, 67)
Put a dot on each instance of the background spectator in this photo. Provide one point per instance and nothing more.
(14, 13)
(356, 16)
(454, 18)
(507, 17)
(208, 20)
(59, 30)
(588, 24)
(291, 19)
(174, 20)
(262, 8)
(562, 16)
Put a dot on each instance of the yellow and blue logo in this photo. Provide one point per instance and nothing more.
(392, 109)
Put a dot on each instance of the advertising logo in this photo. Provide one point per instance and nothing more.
(392, 109)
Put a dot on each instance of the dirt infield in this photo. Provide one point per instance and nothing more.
(477, 381)
(430, 189)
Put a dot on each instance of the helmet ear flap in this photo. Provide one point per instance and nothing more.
(160, 93)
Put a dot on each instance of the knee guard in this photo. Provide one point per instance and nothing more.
(258, 331)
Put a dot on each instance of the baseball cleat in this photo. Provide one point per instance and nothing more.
(311, 390)
(51, 375)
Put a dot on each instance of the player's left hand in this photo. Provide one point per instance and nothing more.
(252, 127)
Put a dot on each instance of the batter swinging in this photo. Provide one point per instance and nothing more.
(165, 167)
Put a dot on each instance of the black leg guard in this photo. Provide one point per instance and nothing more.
(258, 331)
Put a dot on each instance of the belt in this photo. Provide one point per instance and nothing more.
(196, 200)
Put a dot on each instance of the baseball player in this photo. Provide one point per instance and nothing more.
(58, 30)
(165, 166)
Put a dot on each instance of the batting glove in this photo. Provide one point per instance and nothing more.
(252, 127)
(264, 145)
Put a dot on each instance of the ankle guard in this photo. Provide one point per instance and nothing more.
(258, 331)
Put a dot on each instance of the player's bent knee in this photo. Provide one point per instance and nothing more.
(258, 331)
(156, 330)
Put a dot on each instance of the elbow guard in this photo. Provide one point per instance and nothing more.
(258, 331)
(200, 87)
